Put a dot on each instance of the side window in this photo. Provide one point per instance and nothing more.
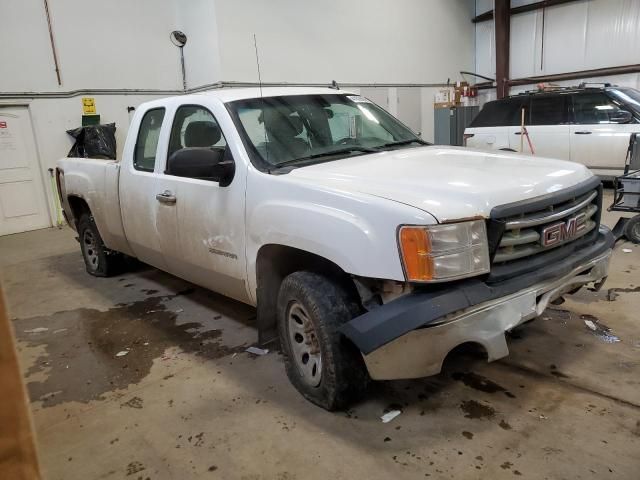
(195, 126)
(500, 113)
(144, 155)
(594, 108)
(197, 148)
(548, 110)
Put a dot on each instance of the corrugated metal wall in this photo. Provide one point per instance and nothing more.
(577, 36)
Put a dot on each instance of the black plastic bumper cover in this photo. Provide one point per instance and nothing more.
(375, 328)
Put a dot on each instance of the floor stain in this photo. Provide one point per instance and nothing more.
(504, 425)
(473, 409)
(81, 364)
(478, 382)
(467, 435)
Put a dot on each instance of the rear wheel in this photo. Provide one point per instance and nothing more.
(632, 229)
(321, 363)
(98, 259)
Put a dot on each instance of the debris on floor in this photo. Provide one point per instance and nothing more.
(122, 353)
(387, 417)
(37, 330)
(257, 351)
(627, 250)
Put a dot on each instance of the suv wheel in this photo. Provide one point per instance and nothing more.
(632, 229)
(98, 259)
(323, 366)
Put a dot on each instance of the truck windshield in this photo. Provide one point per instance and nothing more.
(301, 129)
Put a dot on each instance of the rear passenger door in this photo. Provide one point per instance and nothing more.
(200, 223)
(547, 122)
(137, 187)
(598, 139)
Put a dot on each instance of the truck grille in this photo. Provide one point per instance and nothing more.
(558, 224)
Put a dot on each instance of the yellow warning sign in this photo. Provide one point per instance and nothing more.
(88, 105)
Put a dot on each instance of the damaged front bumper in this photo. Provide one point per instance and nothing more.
(411, 336)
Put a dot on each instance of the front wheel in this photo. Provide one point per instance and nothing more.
(322, 364)
(98, 259)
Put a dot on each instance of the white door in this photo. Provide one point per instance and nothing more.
(200, 223)
(23, 204)
(547, 123)
(600, 134)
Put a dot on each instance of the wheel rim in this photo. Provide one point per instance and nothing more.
(90, 250)
(305, 347)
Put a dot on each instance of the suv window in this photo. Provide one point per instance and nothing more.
(144, 155)
(548, 110)
(500, 113)
(594, 108)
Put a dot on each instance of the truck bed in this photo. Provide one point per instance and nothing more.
(96, 182)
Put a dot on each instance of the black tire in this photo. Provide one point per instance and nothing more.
(343, 377)
(632, 229)
(98, 259)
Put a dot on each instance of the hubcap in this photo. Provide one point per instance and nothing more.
(305, 348)
(90, 251)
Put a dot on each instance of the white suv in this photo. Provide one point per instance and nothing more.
(590, 126)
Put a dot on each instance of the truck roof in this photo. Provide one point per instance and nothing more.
(231, 94)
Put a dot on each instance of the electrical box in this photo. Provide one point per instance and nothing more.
(450, 122)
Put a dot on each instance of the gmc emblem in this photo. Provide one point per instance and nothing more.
(563, 231)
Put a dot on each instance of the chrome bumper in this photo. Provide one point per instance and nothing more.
(420, 352)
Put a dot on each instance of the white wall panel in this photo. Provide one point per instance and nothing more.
(525, 55)
(582, 35)
(485, 49)
(360, 41)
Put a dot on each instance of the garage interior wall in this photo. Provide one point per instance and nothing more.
(581, 35)
(120, 53)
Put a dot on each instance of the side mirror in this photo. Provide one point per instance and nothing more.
(202, 163)
(621, 116)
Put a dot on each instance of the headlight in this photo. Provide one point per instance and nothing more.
(444, 252)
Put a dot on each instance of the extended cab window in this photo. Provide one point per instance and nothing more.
(548, 110)
(594, 108)
(144, 155)
(196, 144)
(500, 113)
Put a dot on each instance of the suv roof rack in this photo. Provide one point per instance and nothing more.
(550, 88)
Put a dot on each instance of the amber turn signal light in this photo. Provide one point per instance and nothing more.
(415, 246)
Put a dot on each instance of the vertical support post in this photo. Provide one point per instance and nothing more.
(502, 18)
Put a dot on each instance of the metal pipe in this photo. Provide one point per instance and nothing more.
(184, 75)
(598, 72)
(53, 43)
(202, 88)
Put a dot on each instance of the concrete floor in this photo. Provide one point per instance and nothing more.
(187, 402)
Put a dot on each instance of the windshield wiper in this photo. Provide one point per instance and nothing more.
(354, 148)
(403, 142)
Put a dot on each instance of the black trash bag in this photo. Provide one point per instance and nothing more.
(94, 141)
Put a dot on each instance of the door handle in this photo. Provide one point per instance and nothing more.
(166, 197)
(583, 133)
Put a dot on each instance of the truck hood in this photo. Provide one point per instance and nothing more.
(450, 183)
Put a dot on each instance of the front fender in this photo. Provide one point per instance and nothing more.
(357, 232)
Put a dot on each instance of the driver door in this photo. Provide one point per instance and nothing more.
(200, 223)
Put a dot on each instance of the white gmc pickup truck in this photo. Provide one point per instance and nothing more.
(367, 252)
